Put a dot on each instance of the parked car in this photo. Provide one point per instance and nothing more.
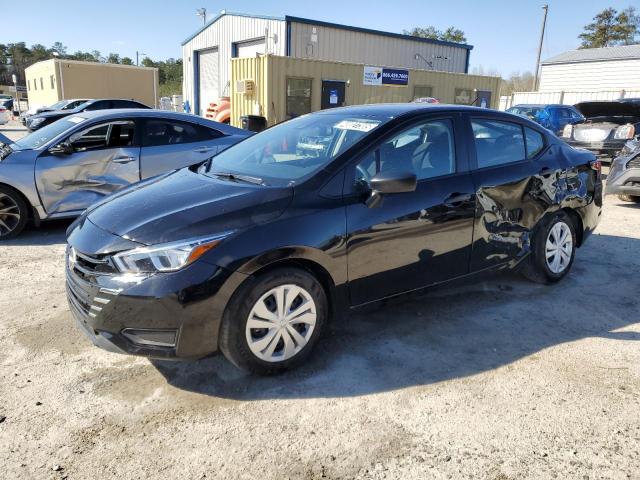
(6, 103)
(39, 120)
(62, 105)
(5, 115)
(259, 248)
(624, 176)
(606, 128)
(551, 117)
(66, 166)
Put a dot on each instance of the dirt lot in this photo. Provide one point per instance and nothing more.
(499, 380)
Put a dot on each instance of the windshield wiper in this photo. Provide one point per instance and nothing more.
(240, 177)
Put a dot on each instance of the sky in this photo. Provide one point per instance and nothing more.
(504, 33)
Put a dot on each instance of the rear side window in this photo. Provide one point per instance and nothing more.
(497, 142)
(173, 132)
(127, 104)
(535, 142)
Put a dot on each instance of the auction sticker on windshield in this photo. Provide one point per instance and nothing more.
(357, 125)
(76, 119)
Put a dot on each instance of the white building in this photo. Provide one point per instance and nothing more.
(207, 53)
(592, 69)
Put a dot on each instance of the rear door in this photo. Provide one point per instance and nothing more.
(417, 238)
(169, 144)
(105, 159)
(514, 177)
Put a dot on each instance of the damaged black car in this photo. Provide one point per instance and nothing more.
(606, 128)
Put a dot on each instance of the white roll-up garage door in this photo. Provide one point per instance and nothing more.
(250, 49)
(209, 83)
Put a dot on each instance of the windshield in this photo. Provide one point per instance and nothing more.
(296, 148)
(529, 112)
(45, 134)
(58, 105)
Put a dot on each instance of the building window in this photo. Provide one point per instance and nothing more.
(464, 96)
(29, 85)
(422, 91)
(53, 82)
(298, 96)
(41, 84)
(35, 84)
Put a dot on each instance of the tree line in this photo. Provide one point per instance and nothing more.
(16, 57)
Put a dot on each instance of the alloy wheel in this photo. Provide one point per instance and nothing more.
(281, 323)
(9, 214)
(559, 247)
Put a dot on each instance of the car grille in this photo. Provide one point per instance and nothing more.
(590, 134)
(634, 162)
(85, 295)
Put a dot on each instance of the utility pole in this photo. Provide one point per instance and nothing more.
(544, 26)
(138, 57)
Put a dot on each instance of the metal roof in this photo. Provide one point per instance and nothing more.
(320, 23)
(623, 52)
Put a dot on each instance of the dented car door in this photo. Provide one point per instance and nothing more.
(517, 180)
(99, 160)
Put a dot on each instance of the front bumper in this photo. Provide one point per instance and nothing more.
(603, 150)
(169, 315)
(623, 180)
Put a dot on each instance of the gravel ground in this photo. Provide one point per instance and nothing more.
(499, 380)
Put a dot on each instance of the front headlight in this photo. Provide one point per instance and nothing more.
(568, 131)
(167, 257)
(624, 132)
(35, 122)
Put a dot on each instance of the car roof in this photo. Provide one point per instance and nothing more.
(154, 113)
(540, 105)
(397, 109)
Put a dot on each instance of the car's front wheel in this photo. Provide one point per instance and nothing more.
(273, 321)
(553, 249)
(13, 213)
(629, 198)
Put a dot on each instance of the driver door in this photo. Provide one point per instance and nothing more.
(102, 159)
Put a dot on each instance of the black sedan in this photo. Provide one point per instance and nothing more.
(254, 252)
(606, 128)
(39, 120)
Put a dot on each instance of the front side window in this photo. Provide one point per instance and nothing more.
(159, 132)
(298, 96)
(426, 149)
(109, 135)
(295, 149)
(497, 142)
(102, 105)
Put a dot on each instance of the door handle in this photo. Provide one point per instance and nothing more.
(124, 159)
(456, 199)
(203, 149)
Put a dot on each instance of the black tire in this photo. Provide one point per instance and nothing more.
(629, 198)
(233, 334)
(13, 203)
(536, 267)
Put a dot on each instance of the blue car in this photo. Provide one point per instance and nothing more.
(551, 117)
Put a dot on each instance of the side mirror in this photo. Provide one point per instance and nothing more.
(63, 148)
(391, 181)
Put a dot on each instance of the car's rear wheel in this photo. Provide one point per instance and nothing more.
(629, 198)
(552, 250)
(13, 213)
(273, 321)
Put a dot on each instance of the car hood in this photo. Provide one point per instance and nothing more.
(186, 204)
(52, 114)
(608, 109)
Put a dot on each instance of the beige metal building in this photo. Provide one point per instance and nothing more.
(52, 80)
(279, 88)
(207, 53)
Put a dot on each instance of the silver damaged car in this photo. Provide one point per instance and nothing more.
(63, 168)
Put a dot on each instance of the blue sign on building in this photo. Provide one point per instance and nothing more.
(394, 76)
